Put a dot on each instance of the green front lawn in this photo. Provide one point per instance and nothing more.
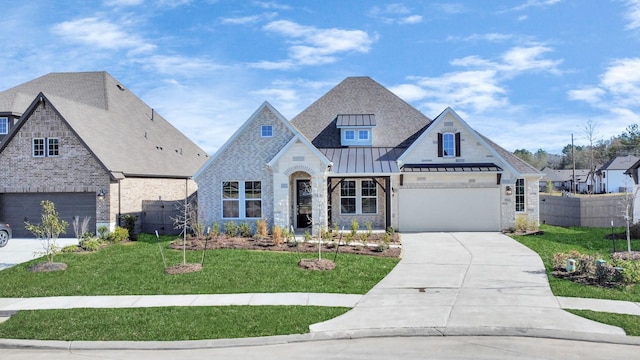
(165, 324)
(136, 268)
(590, 241)
(630, 323)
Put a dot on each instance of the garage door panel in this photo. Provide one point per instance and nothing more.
(469, 209)
(15, 209)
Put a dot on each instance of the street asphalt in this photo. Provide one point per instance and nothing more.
(446, 284)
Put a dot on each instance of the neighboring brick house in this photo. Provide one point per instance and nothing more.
(360, 152)
(91, 146)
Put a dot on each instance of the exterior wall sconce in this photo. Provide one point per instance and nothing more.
(101, 195)
(508, 191)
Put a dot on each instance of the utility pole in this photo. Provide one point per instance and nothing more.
(573, 158)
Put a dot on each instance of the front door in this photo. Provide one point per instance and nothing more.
(303, 203)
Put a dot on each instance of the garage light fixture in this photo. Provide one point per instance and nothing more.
(508, 191)
(101, 195)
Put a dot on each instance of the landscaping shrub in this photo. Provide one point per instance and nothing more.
(634, 231)
(215, 229)
(92, 244)
(354, 227)
(277, 234)
(261, 228)
(631, 270)
(103, 232)
(245, 229)
(231, 228)
(130, 226)
(119, 234)
(69, 249)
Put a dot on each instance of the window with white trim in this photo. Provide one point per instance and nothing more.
(349, 135)
(266, 131)
(369, 197)
(363, 134)
(520, 195)
(37, 147)
(4, 125)
(348, 197)
(448, 145)
(358, 197)
(241, 199)
(53, 147)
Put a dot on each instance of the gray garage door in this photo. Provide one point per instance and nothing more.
(15, 209)
(449, 209)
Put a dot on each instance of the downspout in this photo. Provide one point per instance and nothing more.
(119, 202)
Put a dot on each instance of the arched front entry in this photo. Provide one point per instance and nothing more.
(301, 200)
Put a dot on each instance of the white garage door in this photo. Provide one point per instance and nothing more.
(449, 209)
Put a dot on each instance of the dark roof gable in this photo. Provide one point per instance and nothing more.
(397, 123)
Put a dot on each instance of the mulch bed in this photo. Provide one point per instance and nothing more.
(267, 244)
(48, 267)
(316, 264)
(183, 269)
(584, 279)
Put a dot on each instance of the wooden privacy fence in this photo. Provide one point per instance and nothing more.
(159, 214)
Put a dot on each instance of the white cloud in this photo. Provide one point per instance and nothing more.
(619, 87)
(272, 5)
(314, 46)
(535, 3)
(173, 65)
(413, 19)
(102, 34)
(251, 19)
(633, 14)
(123, 2)
(588, 94)
(394, 13)
(479, 87)
(450, 8)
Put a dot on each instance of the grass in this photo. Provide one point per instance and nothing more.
(590, 241)
(136, 268)
(629, 323)
(165, 324)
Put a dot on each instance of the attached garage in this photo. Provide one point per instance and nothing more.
(463, 209)
(16, 208)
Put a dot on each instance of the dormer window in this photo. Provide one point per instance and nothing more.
(356, 129)
(449, 145)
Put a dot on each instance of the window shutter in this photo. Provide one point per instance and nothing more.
(439, 145)
(458, 149)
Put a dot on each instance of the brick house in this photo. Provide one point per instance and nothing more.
(91, 146)
(360, 152)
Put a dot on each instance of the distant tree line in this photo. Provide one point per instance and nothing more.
(587, 156)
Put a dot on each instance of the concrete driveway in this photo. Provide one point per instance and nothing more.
(463, 283)
(22, 250)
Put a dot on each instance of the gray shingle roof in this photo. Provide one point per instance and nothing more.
(124, 133)
(397, 123)
(620, 163)
(518, 164)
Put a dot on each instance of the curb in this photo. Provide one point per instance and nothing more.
(319, 336)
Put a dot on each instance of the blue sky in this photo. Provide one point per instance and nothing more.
(525, 73)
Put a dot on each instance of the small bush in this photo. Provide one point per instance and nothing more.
(119, 234)
(261, 228)
(307, 236)
(103, 232)
(245, 229)
(231, 228)
(215, 229)
(369, 226)
(92, 244)
(381, 247)
(130, 225)
(354, 227)
(631, 270)
(69, 249)
(277, 234)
